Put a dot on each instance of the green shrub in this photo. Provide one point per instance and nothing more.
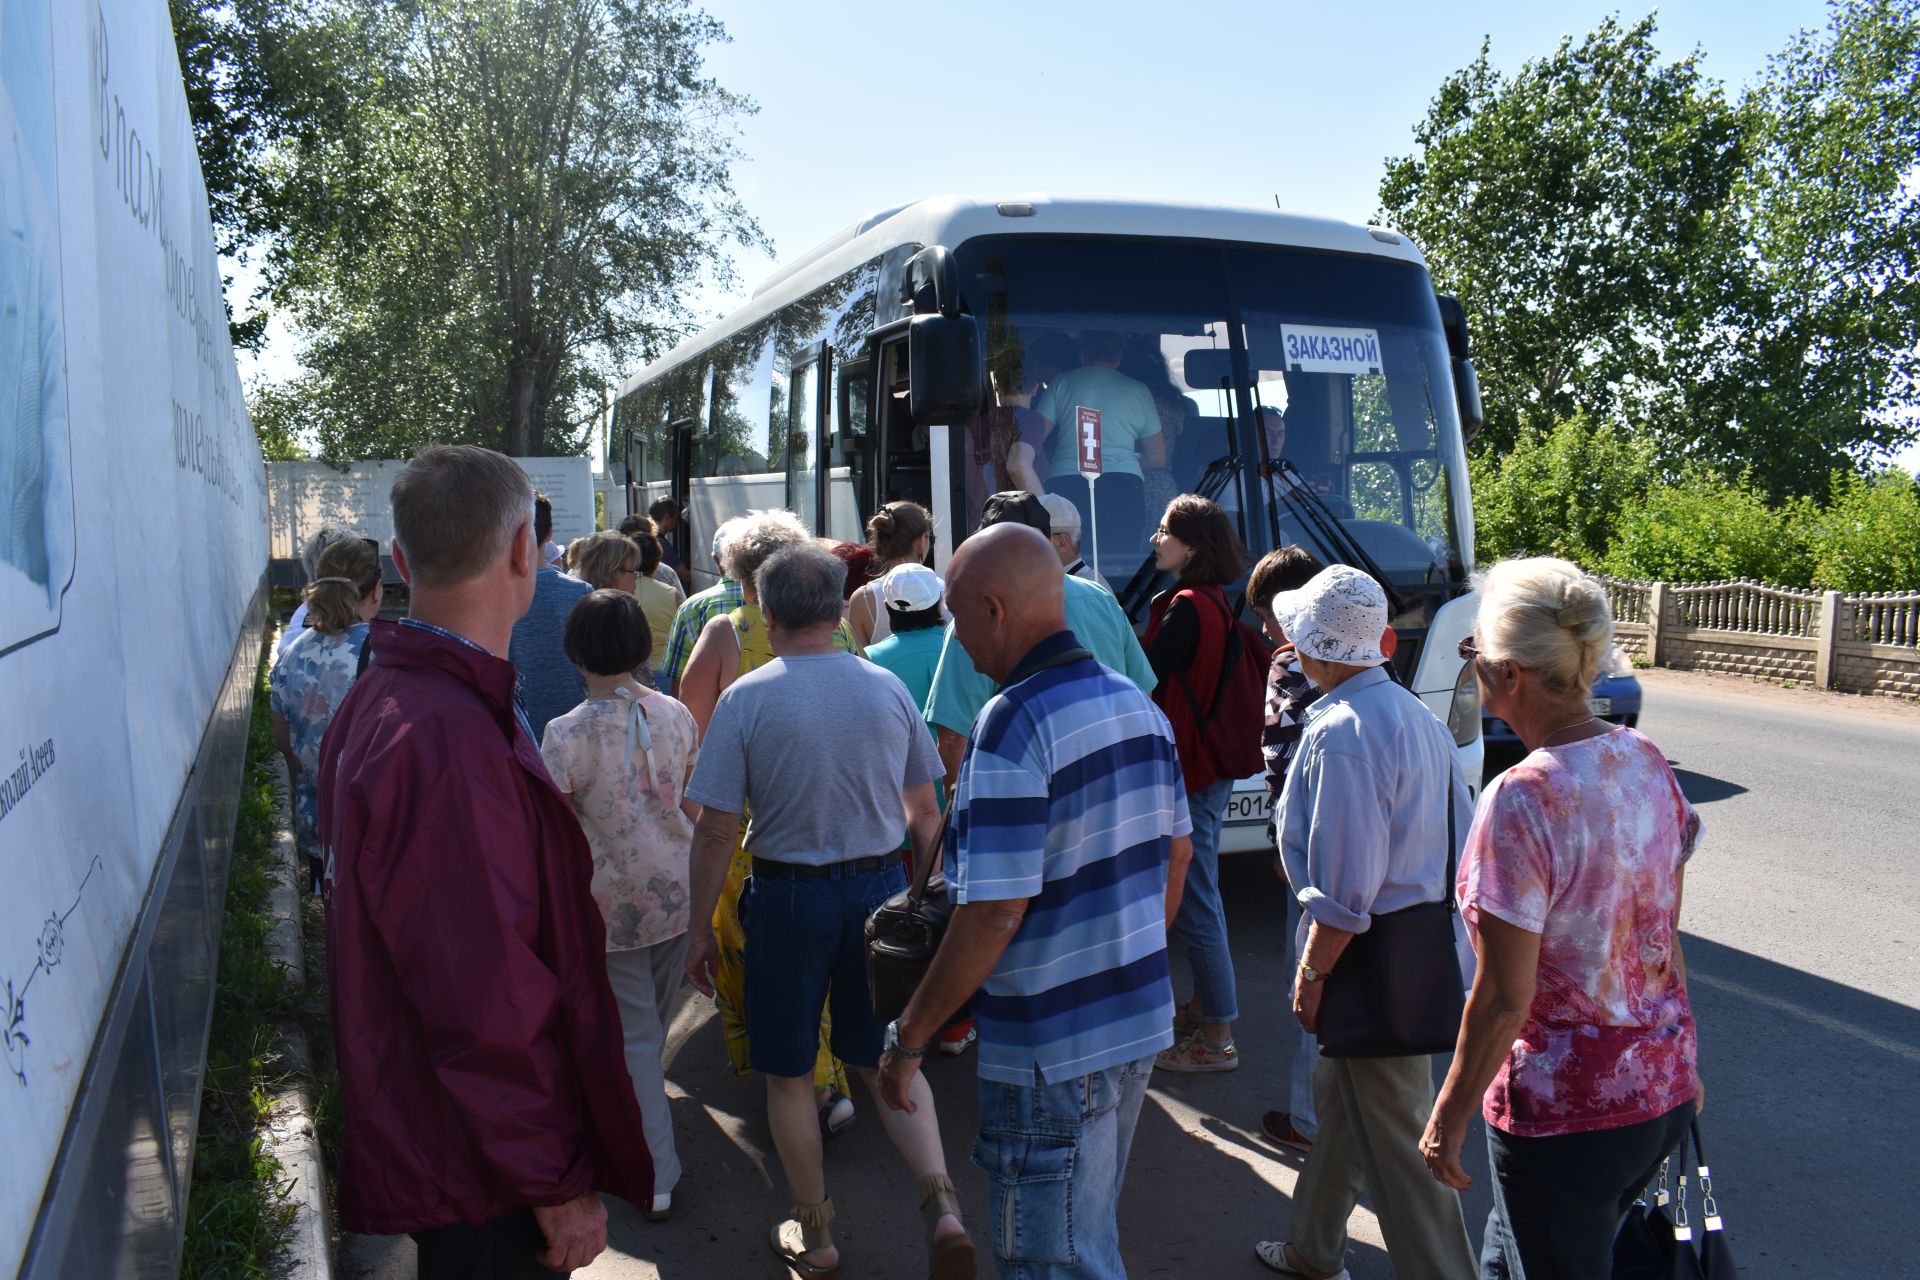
(1557, 493)
(1867, 537)
(1703, 529)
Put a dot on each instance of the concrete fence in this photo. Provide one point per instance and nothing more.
(1856, 643)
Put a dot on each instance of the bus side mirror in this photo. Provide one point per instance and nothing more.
(1466, 394)
(947, 368)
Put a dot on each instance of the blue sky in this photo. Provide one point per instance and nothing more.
(1233, 101)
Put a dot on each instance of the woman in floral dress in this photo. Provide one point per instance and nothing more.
(311, 676)
(623, 757)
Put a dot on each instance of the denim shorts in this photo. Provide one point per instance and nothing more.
(807, 949)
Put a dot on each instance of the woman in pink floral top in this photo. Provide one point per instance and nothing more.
(1578, 1044)
(623, 756)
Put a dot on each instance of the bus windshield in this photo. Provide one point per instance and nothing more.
(1179, 348)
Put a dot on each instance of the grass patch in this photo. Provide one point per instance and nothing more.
(239, 1217)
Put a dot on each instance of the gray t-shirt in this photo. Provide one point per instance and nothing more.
(818, 749)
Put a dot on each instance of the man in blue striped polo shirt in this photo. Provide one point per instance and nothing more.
(1067, 850)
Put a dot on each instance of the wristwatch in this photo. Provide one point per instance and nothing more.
(1310, 974)
(893, 1046)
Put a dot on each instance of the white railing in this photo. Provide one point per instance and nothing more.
(1629, 600)
(1745, 605)
(1885, 617)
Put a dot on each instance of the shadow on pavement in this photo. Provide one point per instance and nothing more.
(1701, 789)
(1810, 1116)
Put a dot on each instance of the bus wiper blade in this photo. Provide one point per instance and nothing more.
(1311, 509)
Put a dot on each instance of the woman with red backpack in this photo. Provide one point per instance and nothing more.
(1203, 655)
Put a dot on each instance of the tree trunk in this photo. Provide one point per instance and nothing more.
(523, 420)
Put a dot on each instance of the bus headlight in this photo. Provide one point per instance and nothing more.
(1463, 715)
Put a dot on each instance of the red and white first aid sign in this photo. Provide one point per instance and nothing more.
(1087, 433)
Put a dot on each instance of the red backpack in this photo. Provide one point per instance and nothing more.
(1230, 728)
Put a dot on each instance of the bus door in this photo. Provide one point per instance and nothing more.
(807, 410)
(851, 445)
(680, 489)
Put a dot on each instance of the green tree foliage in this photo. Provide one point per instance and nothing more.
(476, 213)
(1574, 209)
(1737, 281)
(1703, 529)
(1558, 492)
(1821, 362)
(1867, 537)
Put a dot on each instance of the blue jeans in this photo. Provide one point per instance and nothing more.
(1055, 1156)
(1201, 923)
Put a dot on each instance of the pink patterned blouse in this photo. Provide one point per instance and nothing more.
(623, 760)
(1583, 845)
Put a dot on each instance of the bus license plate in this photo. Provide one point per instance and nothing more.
(1600, 706)
(1249, 806)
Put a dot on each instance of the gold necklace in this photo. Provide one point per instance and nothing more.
(1584, 720)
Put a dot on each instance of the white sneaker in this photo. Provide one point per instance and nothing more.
(954, 1048)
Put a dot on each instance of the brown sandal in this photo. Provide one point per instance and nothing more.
(953, 1255)
(803, 1233)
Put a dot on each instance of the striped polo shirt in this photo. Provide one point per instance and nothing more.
(1071, 797)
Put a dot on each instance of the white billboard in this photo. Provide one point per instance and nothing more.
(134, 527)
(304, 497)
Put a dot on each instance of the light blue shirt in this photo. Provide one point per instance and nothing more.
(1363, 817)
(1127, 416)
(959, 691)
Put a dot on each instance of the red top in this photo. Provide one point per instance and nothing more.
(1203, 677)
(481, 1067)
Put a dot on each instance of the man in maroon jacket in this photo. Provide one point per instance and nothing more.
(482, 1079)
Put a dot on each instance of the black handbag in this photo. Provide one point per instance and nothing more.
(1658, 1240)
(904, 932)
(1397, 991)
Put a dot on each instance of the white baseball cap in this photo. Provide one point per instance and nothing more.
(911, 588)
(1339, 615)
(1061, 512)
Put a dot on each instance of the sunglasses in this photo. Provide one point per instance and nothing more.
(1470, 652)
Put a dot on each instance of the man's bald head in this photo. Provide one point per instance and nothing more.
(1005, 590)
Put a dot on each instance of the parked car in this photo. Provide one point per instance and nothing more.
(1615, 697)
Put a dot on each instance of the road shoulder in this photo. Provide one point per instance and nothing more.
(1794, 696)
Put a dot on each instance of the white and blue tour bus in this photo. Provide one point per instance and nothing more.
(1302, 371)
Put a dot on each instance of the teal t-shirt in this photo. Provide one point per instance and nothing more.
(913, 657)
(1127, 416)
(1093, 615)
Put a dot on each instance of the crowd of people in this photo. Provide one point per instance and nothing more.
(546, 803)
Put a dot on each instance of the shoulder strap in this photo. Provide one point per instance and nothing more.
(366, 656)
(1228, 656)
(1453, 854)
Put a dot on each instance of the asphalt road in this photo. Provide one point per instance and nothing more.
(1802, 938)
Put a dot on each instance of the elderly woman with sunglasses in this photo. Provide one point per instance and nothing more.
(1578, 1043)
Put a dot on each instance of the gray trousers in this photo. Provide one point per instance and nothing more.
(646, 982)
(1372, 1113)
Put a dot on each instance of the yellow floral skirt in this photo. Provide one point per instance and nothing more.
(730, 978)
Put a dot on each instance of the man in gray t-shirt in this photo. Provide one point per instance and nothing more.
(829, 754)
(819, 749)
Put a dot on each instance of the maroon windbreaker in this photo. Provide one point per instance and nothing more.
(481, 1066)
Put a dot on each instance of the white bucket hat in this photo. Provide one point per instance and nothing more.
(911, 588)
(1338, 616)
